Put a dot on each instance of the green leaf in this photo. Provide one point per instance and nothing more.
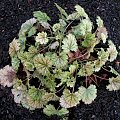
(60, 60)
(72, 68)
(34, 98)
(113, 71)
(15, 63)
(68, 99)
(87, 69)
(42, 64)
(50, 110)
(69, 43)
(112, 51)
(56, 27)
(79, 13)
(88, 40)
(27, 26)
(32, 50)
(41, 16)
(88, 94)
(50, 97)
(25, 56)
(83, 28)
(32, 31)
(62, 11)
(22, 41)
(99, 21)
(114, 83)
(49, 82)
(29, 66)
(102, 59)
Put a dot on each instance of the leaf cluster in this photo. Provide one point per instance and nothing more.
(58, 57)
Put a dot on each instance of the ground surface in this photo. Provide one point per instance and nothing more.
(14, 12)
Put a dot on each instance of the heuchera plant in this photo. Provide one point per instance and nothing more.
(62, 62)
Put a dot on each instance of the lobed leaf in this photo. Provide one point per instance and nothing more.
(68, 99)
(88, 94)
(112, 51)
(7, 76)
(69, 43)
(114, 83)
(50, 110)
(41, 16)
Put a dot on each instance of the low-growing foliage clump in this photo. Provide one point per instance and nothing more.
(62, 62)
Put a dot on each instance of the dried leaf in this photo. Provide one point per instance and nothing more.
(7, 76)
(112, 51)
(14, 46)
(114, 83)
(102, 34)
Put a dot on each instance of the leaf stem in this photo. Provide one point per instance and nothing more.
(100, 77)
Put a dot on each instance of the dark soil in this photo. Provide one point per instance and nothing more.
(14, 12)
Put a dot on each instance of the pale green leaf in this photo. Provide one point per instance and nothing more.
(15, 63)
(27, 26)
(114, 83)
(32, 50)
(56, 27)
(34, 98)
(83, 28)
(41, 16)
(69, 43)
(99, 21)
(50, 110)
(50, 97)
(87, 69)
(81, 11)
(32, 31)
(29, 66)
(112, 51)
(88, 94)
(60, 60)
(113, 71)
(62, 11)
(68, 99)
(102, 59)
(42, 64)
